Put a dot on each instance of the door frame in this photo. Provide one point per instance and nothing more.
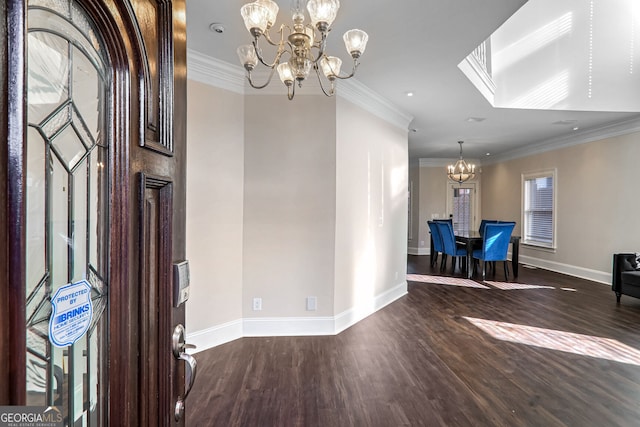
(475, 201)
(12, 201)
(128, 157)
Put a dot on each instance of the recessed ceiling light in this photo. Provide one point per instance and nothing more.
(476, 119)
(576, 128)
(488, 154)
(217, 28)
(409, 93)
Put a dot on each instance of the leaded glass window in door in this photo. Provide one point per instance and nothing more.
(67, 204)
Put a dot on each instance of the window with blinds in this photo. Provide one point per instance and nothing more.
(538, 209)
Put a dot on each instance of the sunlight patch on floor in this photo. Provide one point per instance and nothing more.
(506, 286)
(585, 345)
(443, 280)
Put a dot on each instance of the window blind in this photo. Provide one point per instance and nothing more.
(538, 211)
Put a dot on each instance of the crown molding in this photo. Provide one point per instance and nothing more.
(610, 130)
(214, 72)
(478, 76)
(443, 163)
(365, 98)
(435, 163)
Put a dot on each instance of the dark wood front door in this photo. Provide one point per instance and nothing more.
(92, 192)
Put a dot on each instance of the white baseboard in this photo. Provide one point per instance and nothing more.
(418, 251)
(214, 336)
(287, 326)
(355, 314)
(292, 326)
(571, 270)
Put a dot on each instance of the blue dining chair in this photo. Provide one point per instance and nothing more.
(495, 244)
(437, 242)
(449, 220)
(449, 246)
(483, 224)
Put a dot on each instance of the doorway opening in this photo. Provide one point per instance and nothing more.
(462, 206)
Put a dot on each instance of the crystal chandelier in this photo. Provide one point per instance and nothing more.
(303, 49)
(461, 171)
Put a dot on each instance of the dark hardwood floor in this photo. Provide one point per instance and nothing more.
(563, 354)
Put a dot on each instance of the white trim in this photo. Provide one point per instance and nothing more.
(571, 270)
(411, 211)
(292, 326)
(443, 163)
(479, 77)
(418, 251)
(287, 326)
(221, 74)
(365, 98)
(213, 72)
(214, 336)
(526, 176)
(472, 184)
(611, 130)
(364, 309)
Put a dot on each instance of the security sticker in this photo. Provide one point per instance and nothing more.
(71, 313)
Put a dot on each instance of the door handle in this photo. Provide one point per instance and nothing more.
(179, 347)
(191, 376)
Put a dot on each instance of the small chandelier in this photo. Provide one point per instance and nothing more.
(303, 48)
(461, 171)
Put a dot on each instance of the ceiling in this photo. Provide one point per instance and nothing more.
(416, 46)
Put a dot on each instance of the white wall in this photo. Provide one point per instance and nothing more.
(564, 55)
(371, 211)
(282, 204)
(430, 202)
(597, 209)
(289, 200)
(215, 176)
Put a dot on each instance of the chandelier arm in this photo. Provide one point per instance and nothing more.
(332, 91)
(353, 71)
(321, 46)
(260, 86)
(276, 61)
(267, 36)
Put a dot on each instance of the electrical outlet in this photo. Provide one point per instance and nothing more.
(312, 303)
(257, 304)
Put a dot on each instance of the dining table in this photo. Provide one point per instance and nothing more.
(473, 240)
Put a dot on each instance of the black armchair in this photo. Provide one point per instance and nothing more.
(626, 279)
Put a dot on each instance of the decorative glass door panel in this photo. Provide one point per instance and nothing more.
(67, 205)
(461, 206)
